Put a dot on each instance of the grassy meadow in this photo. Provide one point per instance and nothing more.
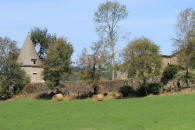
(149, 113)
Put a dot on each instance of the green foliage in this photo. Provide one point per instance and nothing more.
(154, 88)
(92, 65)
(12, 78)
(181, 75)
(169, 73)
(42, 40)
(127, 91)
(149, 88)
(13, 83)
(142, 59)
(141, 91)
(57, 62)
(185, 41)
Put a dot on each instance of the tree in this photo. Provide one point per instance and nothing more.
(185, 41)
(42, 40)
(142, 59)
(92, 65)
(169, 73)
(57, 62)
(13, 79)
(107, 17)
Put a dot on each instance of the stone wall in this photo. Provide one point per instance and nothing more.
(121, 75)
(84, 87)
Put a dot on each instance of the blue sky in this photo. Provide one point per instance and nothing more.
(155, 19)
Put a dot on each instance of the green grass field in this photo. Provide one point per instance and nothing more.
(157, 112)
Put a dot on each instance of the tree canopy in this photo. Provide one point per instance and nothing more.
(42, 40)
(57, 62)
(12, 78)
(142, 59)
(93, 64)
(185, 41)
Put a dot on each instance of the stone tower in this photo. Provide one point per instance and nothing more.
(30, 62)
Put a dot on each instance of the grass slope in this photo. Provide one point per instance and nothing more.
(158, 112)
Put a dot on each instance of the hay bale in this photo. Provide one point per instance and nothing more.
(36, 95)
(99, 97)
(117, 95)
(57, 97)
(94, 98)
(71, 97)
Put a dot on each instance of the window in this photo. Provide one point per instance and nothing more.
(34, 61)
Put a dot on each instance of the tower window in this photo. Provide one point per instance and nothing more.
(34, 61)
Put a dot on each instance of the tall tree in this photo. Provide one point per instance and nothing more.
(142, 59)
(57, 62)
(185, 41)
(92, 64)
(7, 46)
(13, 79)
(42, 40)
(107, 17)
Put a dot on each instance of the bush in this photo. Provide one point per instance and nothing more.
(140, 92)
(127, 91)
(13, 83)
(154, 88)
(169, 72)
(32, 88)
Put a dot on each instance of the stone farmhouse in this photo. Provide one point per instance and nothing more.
(30, 61)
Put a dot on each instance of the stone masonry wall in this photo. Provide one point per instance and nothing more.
(84, 87)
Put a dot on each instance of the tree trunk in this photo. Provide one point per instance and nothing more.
(186, 78)
(113, 61)
(144, 84)
(95, 87)
(113, 71)
(94, 69)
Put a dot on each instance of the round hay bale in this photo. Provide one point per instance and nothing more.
(94, 98)
(57, 97)
(117, 95)
(99, 97)
(71, 97)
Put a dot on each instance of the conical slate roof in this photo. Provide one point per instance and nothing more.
(28, 54)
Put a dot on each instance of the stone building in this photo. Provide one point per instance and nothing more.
(30, 62)
(169, 59)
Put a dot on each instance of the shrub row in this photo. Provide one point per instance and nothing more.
(150, 88)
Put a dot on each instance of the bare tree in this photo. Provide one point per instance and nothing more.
(107, 17)
(92, 64)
